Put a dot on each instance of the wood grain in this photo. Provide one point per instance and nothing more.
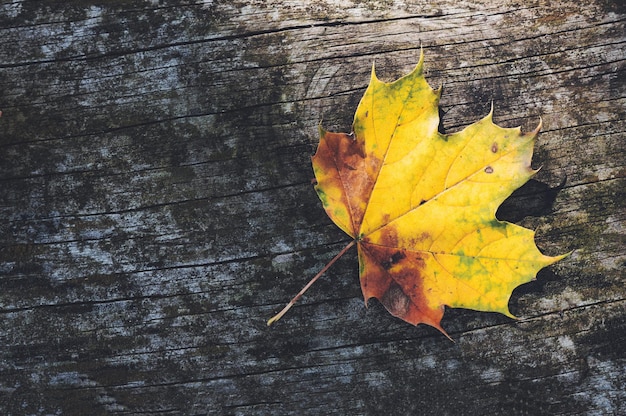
(156, 208)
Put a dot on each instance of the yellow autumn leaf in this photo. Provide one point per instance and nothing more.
(420, 205)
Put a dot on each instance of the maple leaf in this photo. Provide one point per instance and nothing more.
(420, 205)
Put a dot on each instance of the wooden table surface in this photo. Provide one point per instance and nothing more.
(156, 208)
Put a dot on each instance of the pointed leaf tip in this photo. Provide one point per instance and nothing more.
(538, 128)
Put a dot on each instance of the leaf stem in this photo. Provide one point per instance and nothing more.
(308, 285)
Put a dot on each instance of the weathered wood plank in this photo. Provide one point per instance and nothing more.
(156, 208)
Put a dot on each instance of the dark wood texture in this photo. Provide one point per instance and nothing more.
(156, 208)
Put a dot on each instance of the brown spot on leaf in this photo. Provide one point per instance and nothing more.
(395, 258)
(494, 147)
(419, 239)
(346, 149)
(389, 236)
(488, 169)
(396, 301)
